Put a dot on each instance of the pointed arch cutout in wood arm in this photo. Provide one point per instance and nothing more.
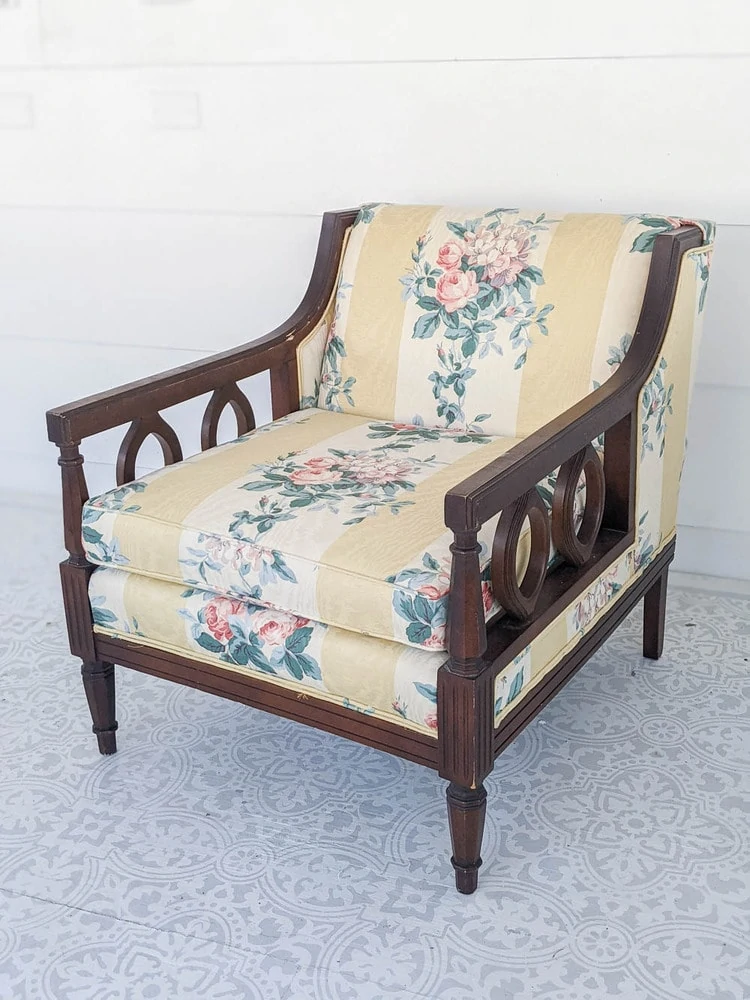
(228, 395)
(275, 352)
(472, 502)
(139, 430)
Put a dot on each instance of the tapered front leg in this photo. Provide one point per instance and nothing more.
(466, 811)
(654, 614)
(99, 685)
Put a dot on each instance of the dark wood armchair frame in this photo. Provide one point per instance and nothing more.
(467, 741)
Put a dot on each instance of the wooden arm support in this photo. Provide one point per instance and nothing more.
(472, 502)
(508, 484)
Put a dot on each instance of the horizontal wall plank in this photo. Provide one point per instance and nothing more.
(203, 283)
(216, 31)
(618, 135)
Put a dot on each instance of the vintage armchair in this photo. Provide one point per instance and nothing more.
(470, 479)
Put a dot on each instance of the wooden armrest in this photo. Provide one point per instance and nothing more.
(71, 423)
(477, 498)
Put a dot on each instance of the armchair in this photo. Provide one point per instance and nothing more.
(470, 479)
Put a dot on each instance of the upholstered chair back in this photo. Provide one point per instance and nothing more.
(486, 320)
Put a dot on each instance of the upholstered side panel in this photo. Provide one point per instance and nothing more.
(310, 350)
(494, 320)
(663, 410)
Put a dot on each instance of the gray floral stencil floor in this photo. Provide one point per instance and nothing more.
(223, 853)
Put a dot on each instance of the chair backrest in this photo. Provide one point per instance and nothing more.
(489, 320)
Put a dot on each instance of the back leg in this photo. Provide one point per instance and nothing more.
(654, 611)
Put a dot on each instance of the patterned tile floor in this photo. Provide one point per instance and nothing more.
(223, 853)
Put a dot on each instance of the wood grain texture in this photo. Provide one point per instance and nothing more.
(654, 617)
(575, 545)
(467, 808)
(141, 428)
(99, 685)
(518, 598)
(228, 395)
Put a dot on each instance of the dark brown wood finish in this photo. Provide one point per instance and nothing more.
(530, 707)
(254, 690)
(467, 743)
(466, 811)
(139, 430)
(576, 545)
(654, 614)
(227, 395)
(99, 685)
(519, 597)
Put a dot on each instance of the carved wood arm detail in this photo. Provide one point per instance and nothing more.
(480, 496)
(228, 395)
(508, 484)
(137, 433)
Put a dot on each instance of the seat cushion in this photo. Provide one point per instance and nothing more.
(331, 516)
(366, 674)
(482, 317)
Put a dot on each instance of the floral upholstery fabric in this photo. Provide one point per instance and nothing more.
(493, 320)
(331, 516)
(362, 673)
(326, 515)
(313, 550)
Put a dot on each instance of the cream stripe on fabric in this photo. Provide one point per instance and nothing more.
(152, 606)
(173, 495)
(498, 394)
(385, 553)
(557, 369)
(375, 321)
(348, 664)
(677, 351)
(622, 305)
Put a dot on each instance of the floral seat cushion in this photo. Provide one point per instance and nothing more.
(334, 517)
(366, 674)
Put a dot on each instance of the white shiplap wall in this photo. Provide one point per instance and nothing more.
(163, 166)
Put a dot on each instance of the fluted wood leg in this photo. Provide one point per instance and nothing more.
(99, 685)
(466, 811)
(654, 614)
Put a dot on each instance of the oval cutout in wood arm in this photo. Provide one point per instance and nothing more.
(137, 433)
(574, 545)
(227, 395)
(518, 599)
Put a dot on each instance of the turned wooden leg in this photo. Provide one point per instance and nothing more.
(466, 809)
(99, 685)
(654, 611)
